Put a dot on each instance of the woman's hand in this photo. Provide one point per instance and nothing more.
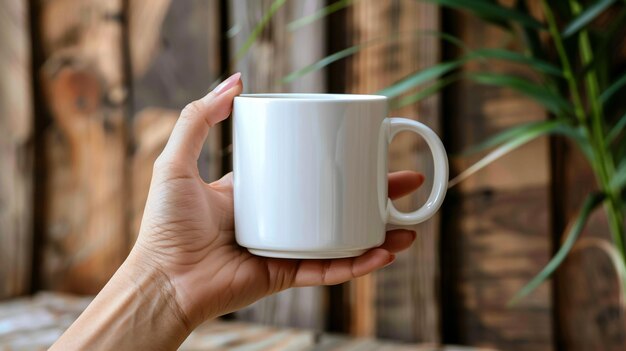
(186, 266)
(187, 230)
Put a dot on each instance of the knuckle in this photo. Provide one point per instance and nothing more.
(192, 109)
(159, 163)
(165, 167)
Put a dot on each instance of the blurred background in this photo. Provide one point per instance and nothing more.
(90, 90)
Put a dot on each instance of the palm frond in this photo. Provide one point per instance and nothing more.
(257, 30)
(548, 126)
(573, 232)
(352, 50)
(515, 140)
(529, 35)
(550, 100)
(492, 11)
(421, 77)
(617, 129)
(613, 88)
(328, 10)
(619, 181)
(512, 56)
(586, 17)
(323, 63)
(426, 92)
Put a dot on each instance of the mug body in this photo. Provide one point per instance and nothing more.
(310, 174)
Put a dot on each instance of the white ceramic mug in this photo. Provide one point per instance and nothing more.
(310, 174)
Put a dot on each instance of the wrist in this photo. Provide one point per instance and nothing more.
(183, 284)
(151, 284)
(135, 310)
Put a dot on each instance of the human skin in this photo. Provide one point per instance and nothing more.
(186, 266)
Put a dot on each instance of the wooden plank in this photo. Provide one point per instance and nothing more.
(277, 52)
(85, 95)
(496, 232)
(175, 52)
(150, 131)
(35, 323)
(16, 153)
(589, 286)
(589, 301)
(399, 302)
(588, 292)
(495, 254)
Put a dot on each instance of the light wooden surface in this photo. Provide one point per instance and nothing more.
(497, 235)
(16, 150)
(35, 323)
(85, 94)
(400, 301)
(151, 128)
(276, 53)
(175, 58)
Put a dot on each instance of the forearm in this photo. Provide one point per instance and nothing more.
(136, 310)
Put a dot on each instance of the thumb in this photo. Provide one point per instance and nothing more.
(192, 127)
(226, 182)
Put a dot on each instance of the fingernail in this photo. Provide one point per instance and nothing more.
(227, 84)
(391, 259)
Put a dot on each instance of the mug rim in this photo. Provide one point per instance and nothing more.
(312, 97)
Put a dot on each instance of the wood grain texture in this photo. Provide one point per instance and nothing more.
(592, 312)
(85, 95)
(182, 58)
(277, 52)
(175, 55)
(500, 245)
(151, 128)
(35, 323)
(16, 153)
(400, 301)
(589, 303)
(145, 38)
(496, 236)
(589, 299)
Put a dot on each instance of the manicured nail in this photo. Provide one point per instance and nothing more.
(391, 260)
(227, 84)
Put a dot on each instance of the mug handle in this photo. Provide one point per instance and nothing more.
(440, 177)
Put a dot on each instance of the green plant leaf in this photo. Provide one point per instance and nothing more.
(616, 130)
(530, 36)
(322, 63)
(514, 139)
(553, 102)
(426, 92)
(330, 9)
(574, 231)
(421, 77)
(620, 149)
(358, 47)
(546, 126)
(586, 16)
(447, 37)
(619, 181)
(606, 41)
(492, 10)
(502, 54)
(438, 70)
(614, 88)
(243, 50)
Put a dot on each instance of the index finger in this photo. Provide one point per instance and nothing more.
(403, 183)
(192, 127)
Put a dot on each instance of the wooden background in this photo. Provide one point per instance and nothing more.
(89, 93)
